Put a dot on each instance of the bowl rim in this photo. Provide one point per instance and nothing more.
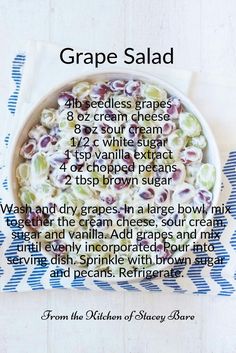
(92, 75)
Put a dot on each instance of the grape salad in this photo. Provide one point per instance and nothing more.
(105, 147)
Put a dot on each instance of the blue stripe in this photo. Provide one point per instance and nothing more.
(17, 66)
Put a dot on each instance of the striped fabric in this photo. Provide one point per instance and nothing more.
(17, 64)
(196, 278)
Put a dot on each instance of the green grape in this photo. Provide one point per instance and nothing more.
(199, 141)
(81, 88)
(69, 198)
(206, 176)
(152, 92)
(82, 192)
(176, 140)
(48, 118)
(189, 124)
(26, 196)
(40, 165)
(45, 188)
(100, 178)
(65, 124)
(23, 173)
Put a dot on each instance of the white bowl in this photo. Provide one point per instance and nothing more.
(50, 100)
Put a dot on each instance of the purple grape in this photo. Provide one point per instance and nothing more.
(64, 97)
(177, 175)
(79, 163)
(50, 205)
(109, 199)
(175, 107)
(57, 159)
(185, 192)
(162, 195)
(100, 162)
(102, 127)
(133, 88)
(88, 149)
(203, 197)
(34, 218)
(99, 91)
(59, 179)
(86, 130)
(132, 132)
(148, 194)
(133, 129)
(161, 252)
(54, 132)
(143, 242)
(167, 128)
(121, 185)
(190, 155)
(121, 213)
(44, 142)
(175, 216)
(28, 149)
(58, 247)
(84, 105)
(128, 160)
(111, 114)
(117, 85)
